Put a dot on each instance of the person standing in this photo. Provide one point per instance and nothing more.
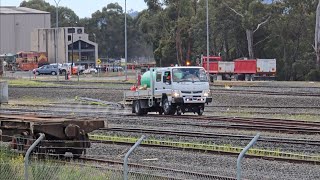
(139, 79)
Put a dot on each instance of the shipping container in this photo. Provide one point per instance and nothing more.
(266, 66)
(225, 67)
(213, 66)
(248, 66)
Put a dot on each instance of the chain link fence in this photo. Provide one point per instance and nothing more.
(50, 165)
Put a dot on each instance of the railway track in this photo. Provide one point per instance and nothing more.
(213, 135)
(190, 146)
(254, 124)
(209, 109)
(68, 105)
(173, 174)
(214, 91)
(264, 107)
(225, 91)
(215, 149)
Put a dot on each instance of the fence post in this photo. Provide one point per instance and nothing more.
(125, 163)
(78, 75)
(26, 158)
(243, 152)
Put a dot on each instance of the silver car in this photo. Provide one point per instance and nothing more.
(46, 69)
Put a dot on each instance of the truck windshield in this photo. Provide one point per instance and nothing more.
(189, 75)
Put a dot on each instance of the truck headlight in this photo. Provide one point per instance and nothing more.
(175, 93)
(206, 93)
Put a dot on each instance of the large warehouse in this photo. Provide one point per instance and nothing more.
(16, 25)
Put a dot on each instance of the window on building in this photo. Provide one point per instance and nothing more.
(69, 37)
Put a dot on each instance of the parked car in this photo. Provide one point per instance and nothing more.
(114, 68)
(46, 69)
(90, 71)
(66, 67)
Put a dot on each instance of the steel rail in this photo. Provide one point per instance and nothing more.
(161, 169)
(224, 91)
(280, 158)
(213, 135)
(266, 127)
(263, 107)
(267, 121)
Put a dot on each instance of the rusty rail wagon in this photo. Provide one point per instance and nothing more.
(61, 134)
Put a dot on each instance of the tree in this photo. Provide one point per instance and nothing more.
(253, 15)
(67, 17)
(317, 37)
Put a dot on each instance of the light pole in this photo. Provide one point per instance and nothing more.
(125, 39)
(208, 39)
(56, 36)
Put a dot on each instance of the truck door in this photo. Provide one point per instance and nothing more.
(166, 81)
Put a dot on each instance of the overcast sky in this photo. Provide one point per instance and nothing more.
(84, 8)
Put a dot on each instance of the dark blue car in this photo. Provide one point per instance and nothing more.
(46, 69)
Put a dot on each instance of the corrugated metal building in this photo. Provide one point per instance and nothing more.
(16, 25)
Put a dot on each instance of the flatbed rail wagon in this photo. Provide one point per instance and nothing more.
(61, 134)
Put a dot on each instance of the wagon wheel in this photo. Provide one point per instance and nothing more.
(83, 144)
(77, 153)
(14, 142)
(18, 142)
(28, 141)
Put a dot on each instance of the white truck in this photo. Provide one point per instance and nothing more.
(171, 90)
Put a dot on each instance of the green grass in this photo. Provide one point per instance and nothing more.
(12, 167)
(29, 83)
(208, 147)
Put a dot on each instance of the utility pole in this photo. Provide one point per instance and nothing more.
(125, 41)
(208, 39)
(56, 36)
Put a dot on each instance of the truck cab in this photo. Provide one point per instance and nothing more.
(186, 89)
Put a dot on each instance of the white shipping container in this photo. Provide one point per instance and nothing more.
(266, 65)
(225, 67)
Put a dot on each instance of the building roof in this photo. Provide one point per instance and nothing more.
(20, 10)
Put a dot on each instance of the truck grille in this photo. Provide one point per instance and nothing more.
(191, 92)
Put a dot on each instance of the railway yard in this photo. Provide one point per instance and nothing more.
(286, 114)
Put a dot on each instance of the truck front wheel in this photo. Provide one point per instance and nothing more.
(167, 108)
(200, 110)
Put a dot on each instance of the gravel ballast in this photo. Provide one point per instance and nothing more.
(186, 160)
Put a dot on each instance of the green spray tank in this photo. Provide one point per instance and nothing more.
(145, 78)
